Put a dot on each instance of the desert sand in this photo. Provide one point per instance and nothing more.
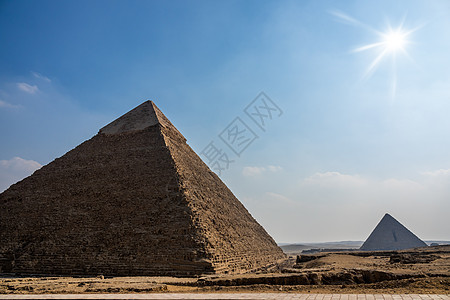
(418, 271)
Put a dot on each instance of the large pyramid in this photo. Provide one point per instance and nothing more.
(133, 200)
(391, 235)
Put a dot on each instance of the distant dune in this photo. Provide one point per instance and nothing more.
(438, 242)
(299, 247)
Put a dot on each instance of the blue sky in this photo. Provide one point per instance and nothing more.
(346, 149)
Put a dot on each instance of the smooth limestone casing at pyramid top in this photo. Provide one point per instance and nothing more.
(390, 234)
(133, 200)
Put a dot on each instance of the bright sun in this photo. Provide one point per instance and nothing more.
(393, 43)
(394, 40)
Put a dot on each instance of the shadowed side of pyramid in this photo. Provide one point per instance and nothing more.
(234, 240)
(390, 234)
(133, 200)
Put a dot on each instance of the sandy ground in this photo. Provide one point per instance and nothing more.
(422, 271)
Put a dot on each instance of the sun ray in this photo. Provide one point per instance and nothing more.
(375, 63)
(367, 47)
(345, 18)
(406, 54)
(392, 41)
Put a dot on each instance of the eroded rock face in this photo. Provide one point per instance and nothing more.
(133, 200)
(407, 258)
(389, 234)
(309, 278)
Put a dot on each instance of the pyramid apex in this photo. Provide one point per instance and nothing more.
(389, 219)
(142, 116)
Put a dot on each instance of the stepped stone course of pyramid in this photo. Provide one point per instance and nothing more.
(389, 234)
(133, 200)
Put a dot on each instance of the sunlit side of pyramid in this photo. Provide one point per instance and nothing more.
(391, 235)
(133, 200)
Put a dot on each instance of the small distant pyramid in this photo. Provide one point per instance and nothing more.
(391, 235)
(133, 200)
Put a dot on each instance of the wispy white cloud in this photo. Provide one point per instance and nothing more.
(5, 104)
(334, 179)
(279, 198)
(20, 164)
(274, 168)
(439, 180)
(31, 89)
(436, 173)
(15, 169)
(40, 76)
(337, 180)
(347, 188)
(254, 171)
